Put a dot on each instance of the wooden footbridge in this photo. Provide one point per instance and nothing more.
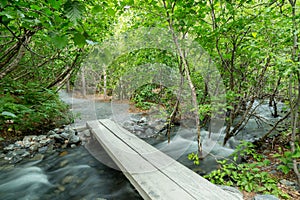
(154, 174)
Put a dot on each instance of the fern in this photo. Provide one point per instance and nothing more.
(74, 10)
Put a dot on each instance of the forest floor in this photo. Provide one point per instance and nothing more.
(268, 150)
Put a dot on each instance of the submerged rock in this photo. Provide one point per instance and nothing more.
(86, 133)
(74, 139)
(233, 191)
(64, 135)
(32, 145)
(9, 147)
(265, 197)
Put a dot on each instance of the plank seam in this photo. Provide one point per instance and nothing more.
(148, 160)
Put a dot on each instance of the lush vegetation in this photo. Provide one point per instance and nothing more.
(246, 169)
(42, 45)
(253, 44)
(247, 176)
(28, 109)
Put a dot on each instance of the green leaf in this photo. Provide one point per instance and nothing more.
(97, 8)
(285, 169)
(254, 34)
(110, 11)
(60, 41)
(3, 3)
(55, 3)
(8, 114)
(79, 40)
(35, 7)
(296, 154)
(261, 189)
(74, 10)
(8, 14)
(277, 155)
(266, 162)
(248, 187)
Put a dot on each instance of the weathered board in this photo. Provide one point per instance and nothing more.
(154, 174)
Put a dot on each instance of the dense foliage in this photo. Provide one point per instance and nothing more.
(28, 109)
(42, 44)
(247, 176)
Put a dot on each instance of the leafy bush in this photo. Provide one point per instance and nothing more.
(30, 108)
(287, 159)
(246, 176)
(194, 157)
(150, 94)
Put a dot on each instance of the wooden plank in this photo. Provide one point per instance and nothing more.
(192, 183)
(151, 185)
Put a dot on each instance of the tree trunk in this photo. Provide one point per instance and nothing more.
(83, 83)
(68, 88)
(63, 77)
(104, 83)
(295, 107)
(189, 79)
(294, 123)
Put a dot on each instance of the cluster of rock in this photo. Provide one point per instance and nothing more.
(143, 127)
(239, 195)
(40, 144)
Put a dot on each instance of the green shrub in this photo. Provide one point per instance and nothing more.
(30, 108)
(246, 176)
(152, 94)
(286, 159)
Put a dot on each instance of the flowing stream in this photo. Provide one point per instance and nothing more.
(78, 174)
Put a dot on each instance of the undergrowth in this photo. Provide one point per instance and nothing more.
(246, 176)
(29, 109)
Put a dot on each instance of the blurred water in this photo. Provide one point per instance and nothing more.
(72, 174)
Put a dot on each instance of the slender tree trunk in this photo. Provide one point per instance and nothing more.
(105, 83)
(83, 82)
(189, 79)
(176, 107)
(294, 123)
(15, 62)
(63, 77)
(68, 88)
(295, 107)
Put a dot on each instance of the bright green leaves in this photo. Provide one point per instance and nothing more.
(110, 11)
(79, 39)
(97, 8)
(246, 176)
(33, 108)
(74, 10)
(8, 14)
(3, 3)
(287, 159)
(56, 4)
(254, 34)
(60, 41)
(194, 157)
(35, 7)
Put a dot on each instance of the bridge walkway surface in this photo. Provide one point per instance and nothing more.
(155, 175)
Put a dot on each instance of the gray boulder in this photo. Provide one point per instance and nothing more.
(265, 197)
(233, 191)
